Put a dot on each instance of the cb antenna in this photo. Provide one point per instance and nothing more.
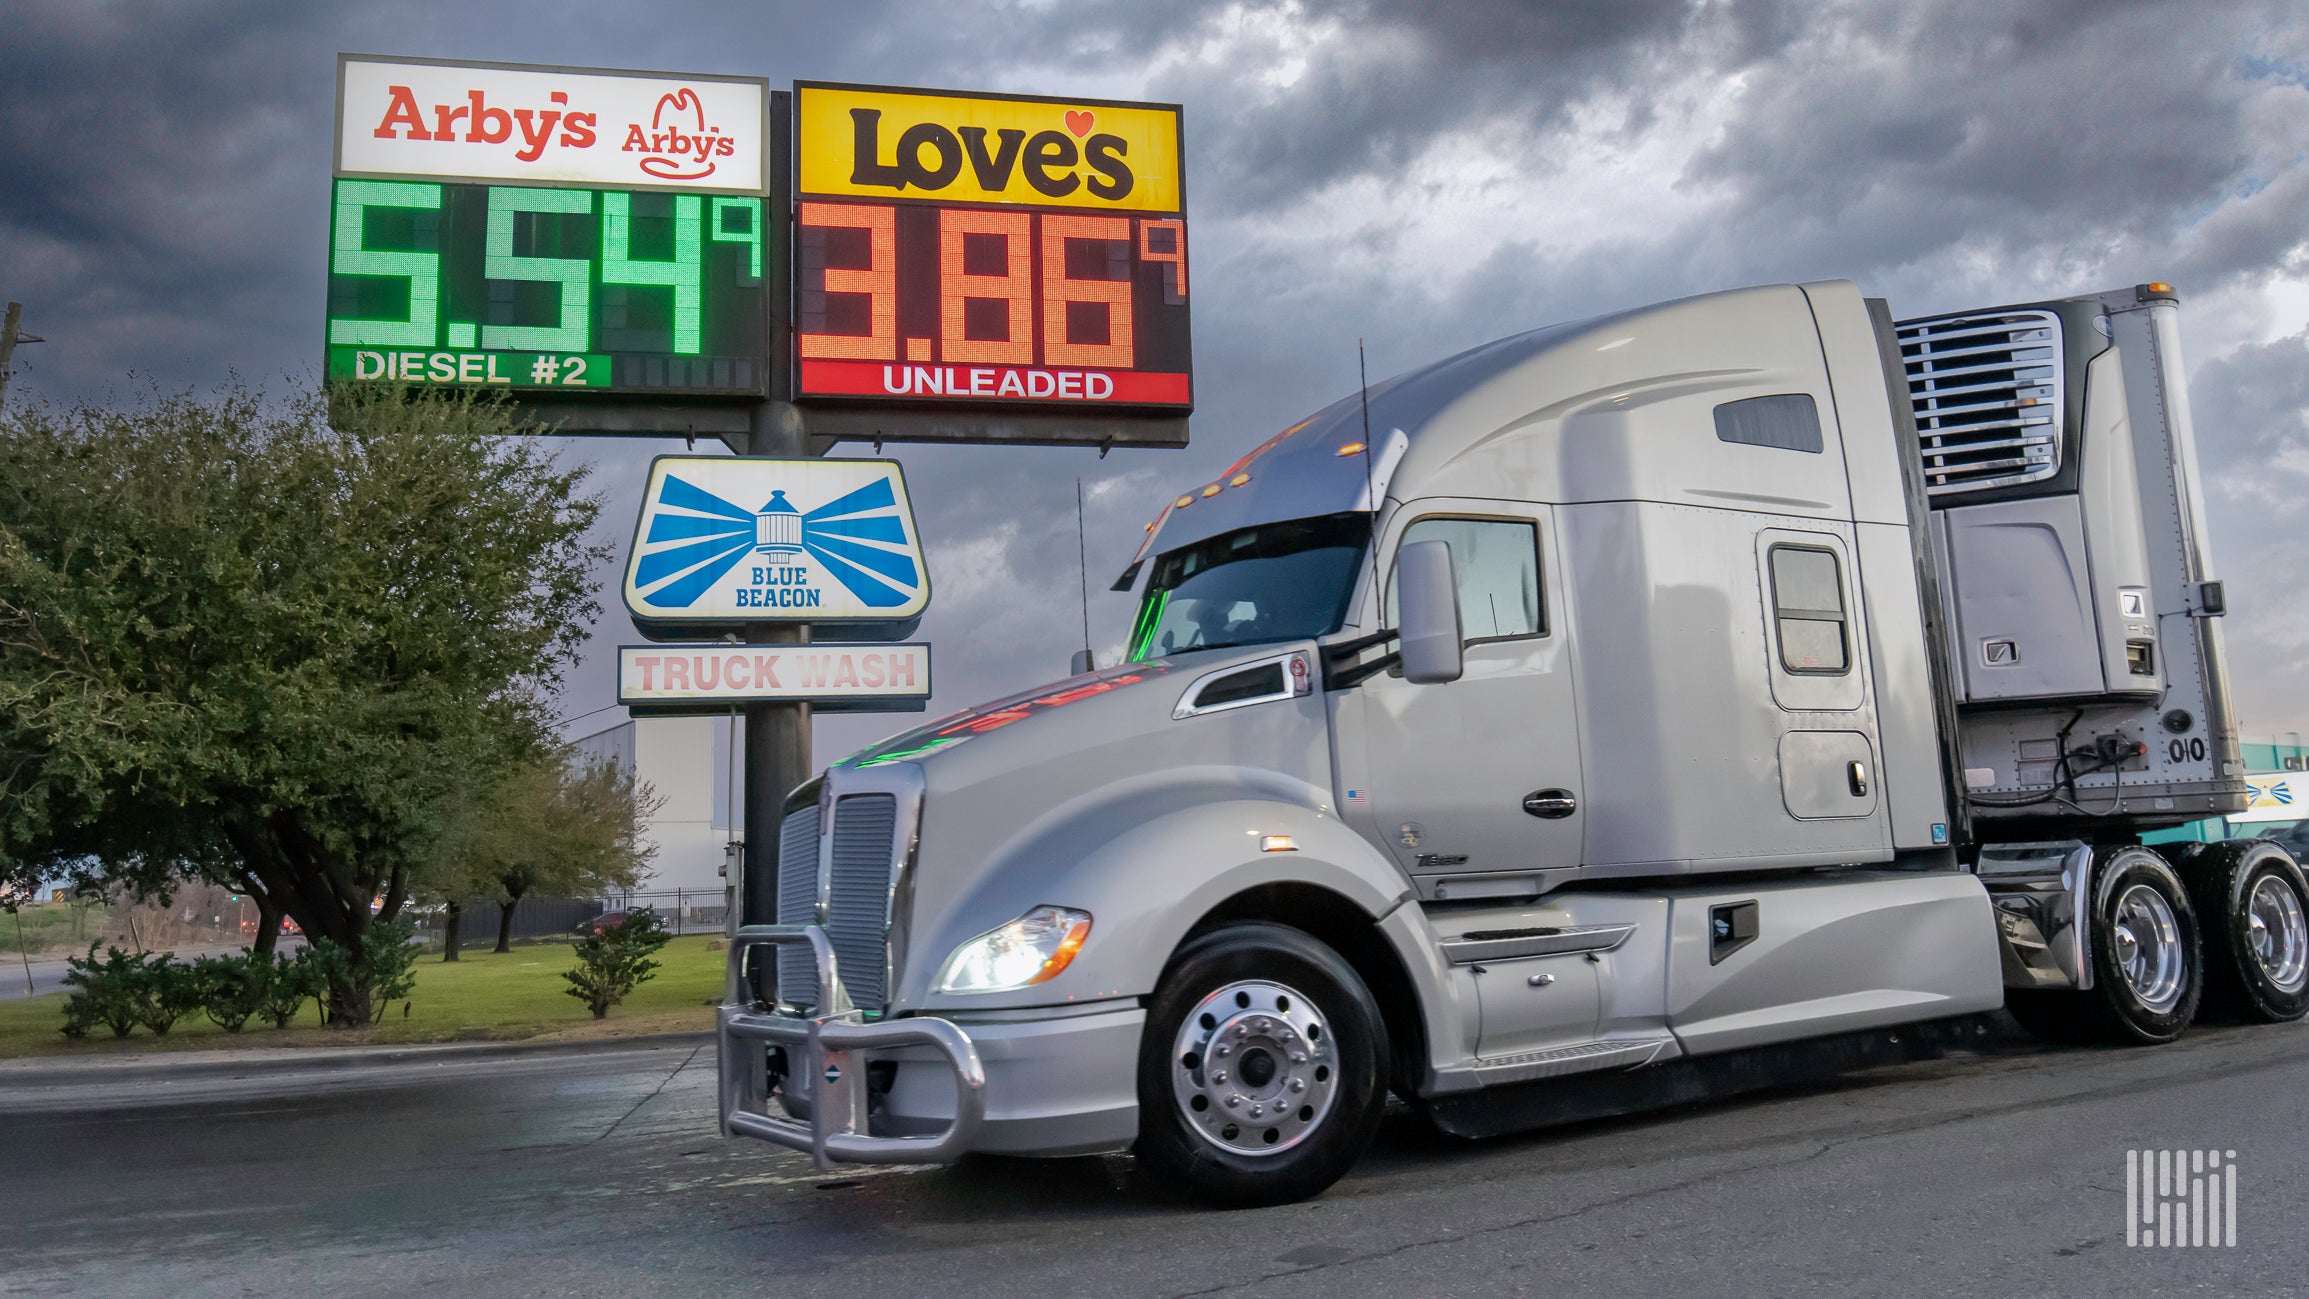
(1082, 560)
(1370, 490)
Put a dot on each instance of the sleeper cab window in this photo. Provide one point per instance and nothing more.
(1789, 421)
(1497, 561)
(1808, 605)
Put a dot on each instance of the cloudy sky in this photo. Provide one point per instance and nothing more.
(1421, 174)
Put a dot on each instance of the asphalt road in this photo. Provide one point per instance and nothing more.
(599, 1173)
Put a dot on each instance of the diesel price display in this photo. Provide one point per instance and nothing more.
(571, 289)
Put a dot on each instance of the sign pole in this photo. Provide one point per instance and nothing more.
(777, 735)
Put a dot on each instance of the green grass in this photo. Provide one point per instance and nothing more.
(482, 996)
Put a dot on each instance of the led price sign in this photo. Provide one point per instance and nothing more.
(965, 249)
(575, 290)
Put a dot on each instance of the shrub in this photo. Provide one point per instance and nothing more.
(392, 962)
(615, 960)
(107, 992)
(232, 988)
(167, 991)
(386, 973)
(284, 984)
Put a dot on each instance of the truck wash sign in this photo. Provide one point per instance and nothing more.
(500, 121)
(661, 675)
(724, 540)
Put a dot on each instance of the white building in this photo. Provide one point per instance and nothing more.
(688, 762)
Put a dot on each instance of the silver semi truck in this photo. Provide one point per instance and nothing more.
(1613, 714)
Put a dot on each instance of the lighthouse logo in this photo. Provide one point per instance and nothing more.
(724, 540)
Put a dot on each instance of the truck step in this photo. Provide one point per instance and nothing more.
(1558, 1061)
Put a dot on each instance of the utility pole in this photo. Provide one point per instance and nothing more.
(777, 735)
(12, 333)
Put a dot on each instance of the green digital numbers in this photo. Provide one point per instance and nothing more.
(683, 274)
(350, 255)
(739, 221)
(573, 274)
(525, 287)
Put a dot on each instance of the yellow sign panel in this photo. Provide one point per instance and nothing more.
(983, 149)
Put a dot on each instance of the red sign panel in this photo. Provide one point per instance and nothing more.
(916, 303)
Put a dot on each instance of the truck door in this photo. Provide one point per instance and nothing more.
(1829, 774)
(1483, 773)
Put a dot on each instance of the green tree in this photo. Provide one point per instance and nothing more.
(614, 960)
(561, 827)
(263, 642)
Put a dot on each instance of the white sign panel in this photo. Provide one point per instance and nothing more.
(726, 539)
(674, 674)
(2278, 796)
(494, 121)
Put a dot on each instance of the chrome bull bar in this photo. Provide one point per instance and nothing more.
(825, 1047)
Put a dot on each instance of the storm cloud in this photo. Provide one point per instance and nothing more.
(1417, 175)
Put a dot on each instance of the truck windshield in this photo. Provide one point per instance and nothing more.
(1273, 582)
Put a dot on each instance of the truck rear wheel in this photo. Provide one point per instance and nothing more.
(2252, 899)
(1261, 1074)
(2148, 965)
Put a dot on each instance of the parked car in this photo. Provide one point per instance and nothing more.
(606, 920)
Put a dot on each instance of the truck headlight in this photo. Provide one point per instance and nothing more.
(1029, 950)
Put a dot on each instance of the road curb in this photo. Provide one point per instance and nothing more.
(50, 1071)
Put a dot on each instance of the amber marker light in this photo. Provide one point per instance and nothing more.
(1211, 490)
(1183, 502)
(1278, 843)
(1351, 449)
(1238, 480)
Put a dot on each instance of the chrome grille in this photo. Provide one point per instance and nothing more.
(798, 903)
(858, 894)
(1987, 388)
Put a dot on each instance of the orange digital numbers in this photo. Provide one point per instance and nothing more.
(1071, 306)
(1000, 287)
(1164, 243)
(878, 281)
(925, 303)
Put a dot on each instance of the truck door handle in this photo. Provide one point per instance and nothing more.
(1550, 804)
(1856, 774)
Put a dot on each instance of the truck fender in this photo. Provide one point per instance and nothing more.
(1147, 887)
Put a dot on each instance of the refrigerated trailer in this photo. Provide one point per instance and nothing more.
(1679, 699)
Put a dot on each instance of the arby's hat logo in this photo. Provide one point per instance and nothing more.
(680, 144)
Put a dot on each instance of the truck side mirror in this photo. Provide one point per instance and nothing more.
(1427, 593)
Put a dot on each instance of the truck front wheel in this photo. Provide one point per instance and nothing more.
(1261, 1076)
(2253, 901)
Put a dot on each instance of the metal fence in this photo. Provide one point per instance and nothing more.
(686, 911)
(532, 918)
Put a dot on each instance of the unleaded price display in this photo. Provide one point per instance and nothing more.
(912, 302)
(573, 290)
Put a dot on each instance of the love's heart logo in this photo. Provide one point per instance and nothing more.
(1080, 122)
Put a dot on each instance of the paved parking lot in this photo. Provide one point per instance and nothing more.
(598, 1173)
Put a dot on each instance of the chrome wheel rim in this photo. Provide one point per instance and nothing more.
(1253, 1068)
(2148, 947)
(2277, 934)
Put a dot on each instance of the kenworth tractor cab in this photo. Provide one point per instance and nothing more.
(1607, 715)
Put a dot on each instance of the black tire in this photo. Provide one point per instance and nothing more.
(1332, 1001)
(2227, 883)
(2114, 1010)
